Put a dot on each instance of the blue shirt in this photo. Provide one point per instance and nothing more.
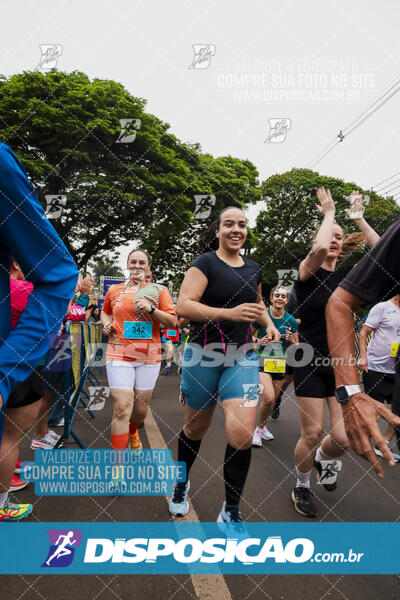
(27, 235)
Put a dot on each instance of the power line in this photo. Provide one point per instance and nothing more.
(356, 123)
(384, 181)
(387, 186)
(373, 104)
(374, 111)
(391, 190)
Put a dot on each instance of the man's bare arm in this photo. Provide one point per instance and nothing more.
(360, 412)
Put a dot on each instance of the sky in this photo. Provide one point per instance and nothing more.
(312, 66)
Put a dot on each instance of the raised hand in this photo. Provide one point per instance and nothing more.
(356, 210)
(326, 204)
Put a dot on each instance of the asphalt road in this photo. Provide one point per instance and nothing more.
(360, 496)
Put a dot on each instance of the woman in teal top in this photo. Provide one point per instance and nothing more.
(272, 359)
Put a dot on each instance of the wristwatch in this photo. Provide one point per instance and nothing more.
(344, 392)
(153, 308)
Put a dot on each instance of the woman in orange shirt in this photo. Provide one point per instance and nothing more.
(131, 316)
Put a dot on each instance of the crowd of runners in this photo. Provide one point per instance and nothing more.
(231, 347)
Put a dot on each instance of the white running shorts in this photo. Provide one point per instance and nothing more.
(129, 375)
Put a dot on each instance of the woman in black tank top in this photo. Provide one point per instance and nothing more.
(315, 382)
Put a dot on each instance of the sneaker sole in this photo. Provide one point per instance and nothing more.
(180, 514)
(15, 488)
(300, 511)
(23, 516)
(269, 439)
(41, 447)
(32, 447)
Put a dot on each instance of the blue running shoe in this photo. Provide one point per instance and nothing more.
(179, 503)
(379, 453)
(230, 522)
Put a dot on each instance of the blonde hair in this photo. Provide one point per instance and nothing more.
(351, 243)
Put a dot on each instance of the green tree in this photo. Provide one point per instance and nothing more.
(65, 130)
(65, 127)
(285, 228)
(104, 268)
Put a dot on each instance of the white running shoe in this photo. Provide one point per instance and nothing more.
(53, 434)
(179, 503)
(266, 434)
(257, 440)
(47, 442)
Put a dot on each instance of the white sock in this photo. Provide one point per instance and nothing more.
(320, 455)
(3, 499)
(303, 479)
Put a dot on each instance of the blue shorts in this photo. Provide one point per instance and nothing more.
(202, 383)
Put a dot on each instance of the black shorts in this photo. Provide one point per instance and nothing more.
(27, 392)
(379, 386)
(289, 370)
(314, 382)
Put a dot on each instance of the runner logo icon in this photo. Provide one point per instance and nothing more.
(50, 54)
(62, 547)
(98, 397)
(287, 278)
(203, 54)
(251, 394)
(278, 129)
(204, 204)
(330, 470)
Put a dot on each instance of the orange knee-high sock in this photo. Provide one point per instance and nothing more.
(133, 427)
(119, 442)
(134, 440)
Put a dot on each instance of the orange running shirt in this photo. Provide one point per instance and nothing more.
(121, 303)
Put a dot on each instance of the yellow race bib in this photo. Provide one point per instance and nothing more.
(395, 349)
(274, 365)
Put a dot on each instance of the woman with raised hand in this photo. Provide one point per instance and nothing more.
(131, 316)
(221, 296)
(314, 383)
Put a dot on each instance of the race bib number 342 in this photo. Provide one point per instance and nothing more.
(138, 330)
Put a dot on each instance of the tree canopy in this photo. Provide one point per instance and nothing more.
(128, 179)
(66, 130)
